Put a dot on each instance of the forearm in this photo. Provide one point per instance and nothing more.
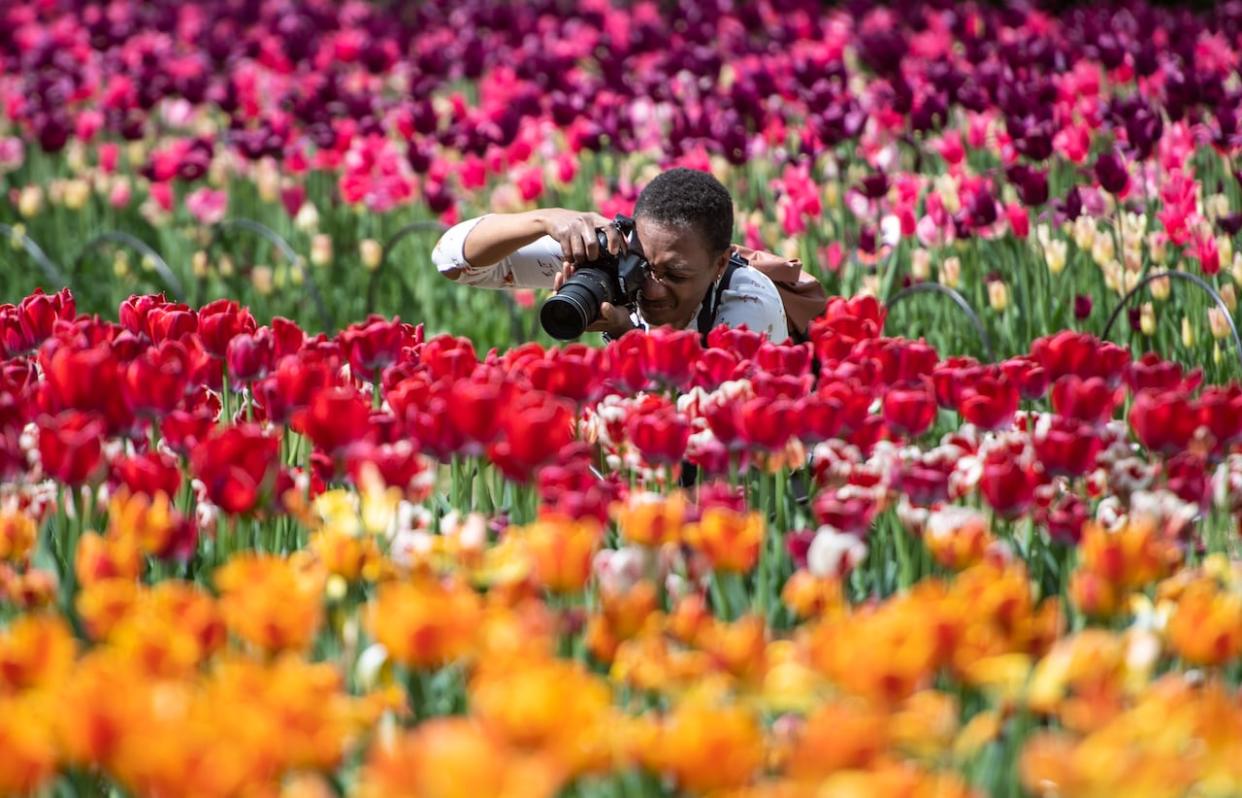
(499, 235)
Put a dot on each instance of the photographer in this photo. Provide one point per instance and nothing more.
(683, 224)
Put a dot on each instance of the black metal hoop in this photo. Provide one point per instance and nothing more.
(423, 226)
(50, 270)
(286, 249)
(958, 299)
(1193, 279)
(171, 281)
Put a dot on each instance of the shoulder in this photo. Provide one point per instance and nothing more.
(752, 299)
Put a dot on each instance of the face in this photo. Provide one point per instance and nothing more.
(683, 270)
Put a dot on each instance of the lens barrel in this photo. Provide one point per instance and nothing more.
(566, 314)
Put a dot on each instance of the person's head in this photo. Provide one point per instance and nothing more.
(684, 222)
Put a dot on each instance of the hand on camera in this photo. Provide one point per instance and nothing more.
(612, 320)
(575, 232)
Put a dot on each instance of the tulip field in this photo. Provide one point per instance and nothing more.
(283, 512)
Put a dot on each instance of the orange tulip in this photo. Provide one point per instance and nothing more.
(731, 540)
(651, 520)
(269, 603)
(425, 623)
(561, 550)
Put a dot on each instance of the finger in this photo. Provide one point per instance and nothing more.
(591, 241)
(616, 241)
(577, 250)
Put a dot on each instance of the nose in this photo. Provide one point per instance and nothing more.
(653, 289)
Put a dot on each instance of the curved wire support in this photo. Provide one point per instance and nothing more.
(50, 270)
(958, 299)
(286, 249)
(171, 281)
(424, 226)
(1193, 279)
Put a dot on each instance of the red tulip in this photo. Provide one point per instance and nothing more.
(625, 362)
(951, 376)
(820, 418)
(134, 311)
(738, 340)
(12, 339)
(288, 338)
(219, 322)
(768, 424)
(183, 430)
(1069, 352)
(70, 446)
(1151, 371)
(714, 367)
(1220, 410)
(149, 473)
(155, 381)
(249, 355)
(1028, 375)
(849, 514)
(900, 361)
(989, 402)
(1067, 447)
(39, 312)
(1007, 486)
(446, 356)
(396, 463)
(1164, 421)
(372, 345)
(171, 321)
(671, 356)
(475, 408)
(535, 429)
(1187, 477)
(660, 436)
(337, 418)
(854, 400)
(573, 372)
(924, 485)
(909, 410)
(235, 466)
(785, 359)
(1064, 518)
(1090, 400)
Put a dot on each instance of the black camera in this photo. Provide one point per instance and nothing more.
(615, 279)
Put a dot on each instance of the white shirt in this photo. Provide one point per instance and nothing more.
(751, 298)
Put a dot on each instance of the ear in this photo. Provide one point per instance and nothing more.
(722, 262)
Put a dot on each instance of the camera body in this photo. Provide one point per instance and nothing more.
(615, 279)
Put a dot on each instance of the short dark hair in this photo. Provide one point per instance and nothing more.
(690, 197)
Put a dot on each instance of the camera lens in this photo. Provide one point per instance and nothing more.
(566, 314)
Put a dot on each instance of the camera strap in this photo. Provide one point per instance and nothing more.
(711, 302)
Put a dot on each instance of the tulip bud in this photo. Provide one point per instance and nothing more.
(1158, 246)
(226, 267)
(1224, 246)
(307, 218)
(998, 295)
(267, 179)
(17, 235)
(120, 263)
(832, 196)
(1218, 323)
(870, 285)
(296, 272)
(1102, 249)
(1129, 279)
(1217, 355)
(371, 252)
(261, 279)
(1055, 254)
(77, 192)
(199, 263)
(946, 187)
(1217, 206)
(1188, 333)
(1084, 232)
(280, 276)
(120, 193)
(951, 271)
(1237, 267)
(1230, 296)
(321, 249)
(920, 264)
(1160, 288)
(1043, 234)
(1147, 319)
(136, 152)
(30, 201)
